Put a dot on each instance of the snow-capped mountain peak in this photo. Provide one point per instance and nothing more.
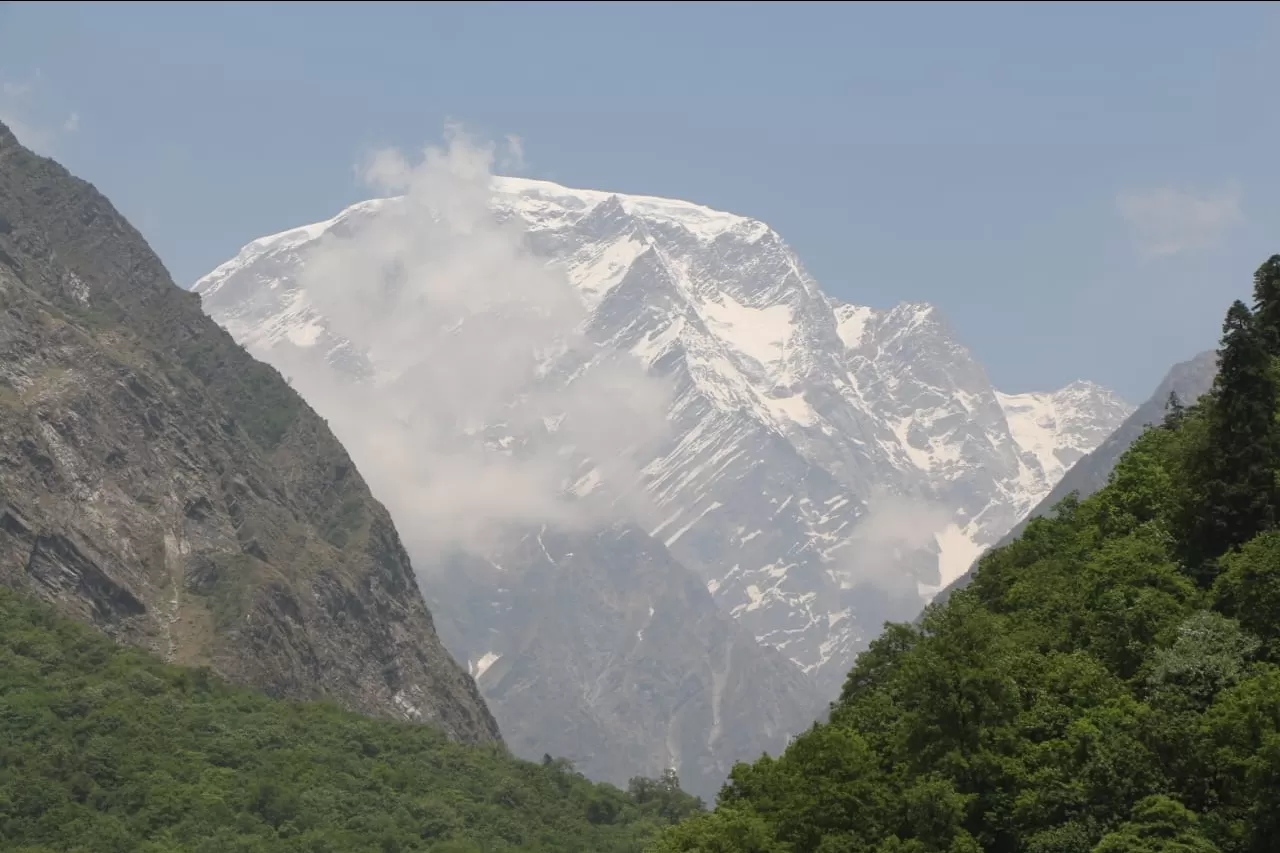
(804, 430)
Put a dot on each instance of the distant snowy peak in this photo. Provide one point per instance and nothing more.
(1056, 427)
(1059, 427)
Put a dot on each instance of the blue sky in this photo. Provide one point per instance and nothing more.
(1082, 188)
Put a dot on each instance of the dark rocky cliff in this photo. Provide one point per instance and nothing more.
(159, 483)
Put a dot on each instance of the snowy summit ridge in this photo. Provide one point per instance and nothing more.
(534, 200)
(813, 441)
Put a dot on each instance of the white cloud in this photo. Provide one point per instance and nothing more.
(895, 528)
(514, 159)
(1166, 221)
(489, 393)
(72, 123)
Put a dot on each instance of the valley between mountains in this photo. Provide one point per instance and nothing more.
(161, 489)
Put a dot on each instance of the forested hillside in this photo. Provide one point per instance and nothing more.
(105, 749)
(1109, 683)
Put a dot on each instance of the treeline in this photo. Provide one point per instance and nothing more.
(1109, 683)
(105, 749)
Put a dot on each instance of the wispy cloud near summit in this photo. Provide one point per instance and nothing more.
(490, 398)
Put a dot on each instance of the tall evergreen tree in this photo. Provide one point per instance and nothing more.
(1237, 464)
(1266, 303)
(1174, 411)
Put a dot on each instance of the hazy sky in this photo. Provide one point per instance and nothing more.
(1082, 188)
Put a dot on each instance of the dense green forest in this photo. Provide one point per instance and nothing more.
(1109, 683)
(104, 749)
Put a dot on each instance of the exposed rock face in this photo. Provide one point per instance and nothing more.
(602, 648)
(1189, 379)
(160, 484)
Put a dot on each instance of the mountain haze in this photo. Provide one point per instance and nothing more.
(603, 649)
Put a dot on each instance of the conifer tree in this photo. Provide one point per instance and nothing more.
(1174, 411)
(1266, 303)
(1237, 465)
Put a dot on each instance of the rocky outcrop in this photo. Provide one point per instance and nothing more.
(160, 484)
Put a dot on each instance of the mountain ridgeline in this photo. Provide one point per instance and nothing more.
(1109, 682)
(158, 483)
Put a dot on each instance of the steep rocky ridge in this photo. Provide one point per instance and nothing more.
(159, 483)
